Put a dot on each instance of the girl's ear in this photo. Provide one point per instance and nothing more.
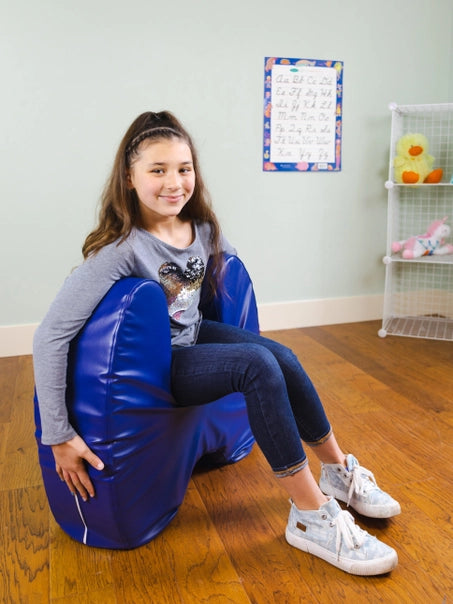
(130, 186)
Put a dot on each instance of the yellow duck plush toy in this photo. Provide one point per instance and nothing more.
(412, 163)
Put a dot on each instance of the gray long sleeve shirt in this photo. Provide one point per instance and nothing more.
(180, 273)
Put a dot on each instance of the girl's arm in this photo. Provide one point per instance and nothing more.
(74, 304)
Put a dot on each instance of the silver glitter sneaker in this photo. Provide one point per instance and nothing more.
(331, 534)
(356, 486)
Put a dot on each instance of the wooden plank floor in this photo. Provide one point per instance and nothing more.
(391, 403)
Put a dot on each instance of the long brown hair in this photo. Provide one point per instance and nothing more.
(119, 208)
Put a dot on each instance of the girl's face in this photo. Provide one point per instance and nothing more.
(163, 177)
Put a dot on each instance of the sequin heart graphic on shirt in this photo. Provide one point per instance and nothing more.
(181, 287)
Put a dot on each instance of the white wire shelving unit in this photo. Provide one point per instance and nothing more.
(418, 297)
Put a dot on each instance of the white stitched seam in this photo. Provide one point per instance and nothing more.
(85, 533)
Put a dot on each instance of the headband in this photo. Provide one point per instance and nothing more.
(147, 133)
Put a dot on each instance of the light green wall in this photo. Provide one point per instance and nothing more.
(75, 74)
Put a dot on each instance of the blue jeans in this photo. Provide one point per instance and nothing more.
(282, 404)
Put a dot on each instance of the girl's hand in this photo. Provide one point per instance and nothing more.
(70, 466)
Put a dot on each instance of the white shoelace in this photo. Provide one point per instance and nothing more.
(348, 531)
(362, 481)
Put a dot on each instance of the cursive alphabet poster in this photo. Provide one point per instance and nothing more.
(302, 115)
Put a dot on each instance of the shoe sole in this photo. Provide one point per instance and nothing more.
(354, 567)
(370, 511)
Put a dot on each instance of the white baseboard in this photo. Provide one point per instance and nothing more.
(17, 339)
(329, 311)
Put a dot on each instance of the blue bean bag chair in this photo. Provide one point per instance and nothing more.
(119, 401)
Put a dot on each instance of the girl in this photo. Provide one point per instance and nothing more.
(156, 222)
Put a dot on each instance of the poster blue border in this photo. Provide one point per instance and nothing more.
(269, 166)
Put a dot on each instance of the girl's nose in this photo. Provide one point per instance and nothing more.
(172, 180)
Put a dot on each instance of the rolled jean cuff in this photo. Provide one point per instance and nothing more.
(321, 441)
(291, 470)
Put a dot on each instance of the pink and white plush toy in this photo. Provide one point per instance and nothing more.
(431, 242)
